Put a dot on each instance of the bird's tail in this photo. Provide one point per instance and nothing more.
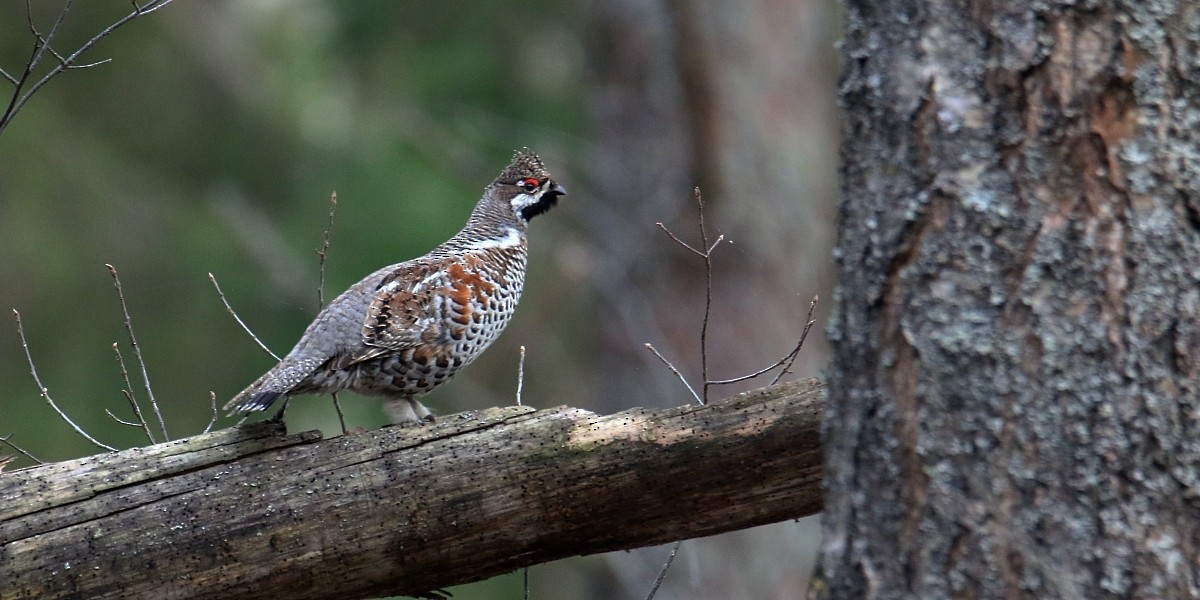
(257, 396)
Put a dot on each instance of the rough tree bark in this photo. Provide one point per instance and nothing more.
(1013, 398)
(251, 513)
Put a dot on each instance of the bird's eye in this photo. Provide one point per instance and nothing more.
(530, 184)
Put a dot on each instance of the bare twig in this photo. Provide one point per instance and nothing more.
(670, 366)
(808, 323)
(128, 392)
(41, 44)
(61, 60)
(324, 251)
(137, 351)
(45, 393)
(706, 254)
(520, 386)
(120, 420)
(239, 320)
(212, 398)
(662, 573)
(785, 362)
(5, 459)
(20, 94)
(707, 292)
(341, 416)
(322, 254)
(7, 442)
(520, 375)
(677, 240)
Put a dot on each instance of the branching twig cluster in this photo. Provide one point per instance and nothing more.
(137, 351)
(28, 82)
(702, 398)
(786, 362)
(127, 392)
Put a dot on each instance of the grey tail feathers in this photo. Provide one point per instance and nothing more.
(254, 397)
(253, 402)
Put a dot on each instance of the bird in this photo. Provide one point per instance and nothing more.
(407, 328)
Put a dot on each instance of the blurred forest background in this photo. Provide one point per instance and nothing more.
(212, 140)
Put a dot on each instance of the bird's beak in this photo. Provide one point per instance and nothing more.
(556, 190)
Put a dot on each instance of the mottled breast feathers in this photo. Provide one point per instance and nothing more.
(421, 303)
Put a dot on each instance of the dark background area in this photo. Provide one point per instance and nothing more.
(211, 143)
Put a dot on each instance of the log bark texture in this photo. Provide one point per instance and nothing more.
(248, 512)
(1013, 396)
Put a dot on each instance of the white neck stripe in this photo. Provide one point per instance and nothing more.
(510, 240)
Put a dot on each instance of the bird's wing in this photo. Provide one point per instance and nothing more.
(403, 313)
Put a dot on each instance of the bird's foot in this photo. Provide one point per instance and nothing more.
(407, 412)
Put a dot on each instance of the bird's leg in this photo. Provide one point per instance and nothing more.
(278, 416)
(402, 412)
(421, 411)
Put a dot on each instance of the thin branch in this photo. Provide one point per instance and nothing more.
(137, 351)
(128, 392)
(42, 44)
(679, 241)
(45, 393)
(520, 375)
(520, 386)
(341, 416)
(324, 251)
(62, 60)
(91, 64)
(20, 96)
(239, 320)
(785, 362)
(212, 398)
(707, 293)
(670, 366)
(808, 323)
(120, 420)
(150, 7)
(322, 254)
(707, 256)
(717, 242)
(7, 442)
(5, 459)
(662, 573)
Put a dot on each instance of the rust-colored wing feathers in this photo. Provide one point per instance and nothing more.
(419, 305)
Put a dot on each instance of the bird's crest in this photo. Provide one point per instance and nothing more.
(524, 164)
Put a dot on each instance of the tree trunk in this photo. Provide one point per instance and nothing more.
(250, 513)
(1013, 397)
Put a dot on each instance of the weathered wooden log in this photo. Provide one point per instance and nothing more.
(249, 512)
